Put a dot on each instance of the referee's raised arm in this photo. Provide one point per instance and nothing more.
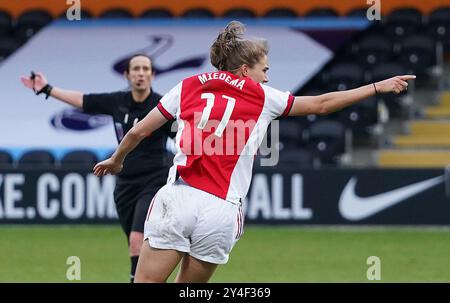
(39, 84)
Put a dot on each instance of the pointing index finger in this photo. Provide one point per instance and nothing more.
(407, 77)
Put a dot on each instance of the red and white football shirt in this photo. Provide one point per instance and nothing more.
(222, 120)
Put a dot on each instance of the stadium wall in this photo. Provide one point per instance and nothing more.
(276, 196)
(218, 7)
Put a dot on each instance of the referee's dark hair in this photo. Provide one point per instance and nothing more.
(127, 67)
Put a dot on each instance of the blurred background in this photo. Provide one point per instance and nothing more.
(368, 180)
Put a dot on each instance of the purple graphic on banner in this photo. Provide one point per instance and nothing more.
(332, 39)
(159, 44)
(75, 119)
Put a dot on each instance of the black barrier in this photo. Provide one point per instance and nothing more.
(349, 196)
(56, 196)
(324, 196)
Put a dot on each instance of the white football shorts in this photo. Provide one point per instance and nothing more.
(190, 220)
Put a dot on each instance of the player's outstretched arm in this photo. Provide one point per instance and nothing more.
(73, 98)
(334, 101)
(142, 129)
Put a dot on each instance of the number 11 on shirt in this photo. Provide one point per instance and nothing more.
(207, 112)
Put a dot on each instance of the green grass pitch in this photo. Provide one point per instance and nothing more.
(264, 254)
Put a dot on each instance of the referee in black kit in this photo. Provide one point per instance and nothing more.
(145, 169)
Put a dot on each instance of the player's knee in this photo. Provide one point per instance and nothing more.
(136, 239)
(142, 278)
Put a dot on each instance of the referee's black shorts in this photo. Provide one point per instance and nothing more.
(133, 196)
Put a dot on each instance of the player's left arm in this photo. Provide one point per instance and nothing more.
(334, 101)
(137, 133)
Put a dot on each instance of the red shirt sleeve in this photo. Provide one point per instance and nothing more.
(288, 106)
(165, 112)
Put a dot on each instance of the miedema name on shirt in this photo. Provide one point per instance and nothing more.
(239, 83)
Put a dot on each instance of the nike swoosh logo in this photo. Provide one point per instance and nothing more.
(352, 207)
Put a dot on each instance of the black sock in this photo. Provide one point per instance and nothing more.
(134, 262)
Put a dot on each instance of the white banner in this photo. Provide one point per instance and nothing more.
(82, 56)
